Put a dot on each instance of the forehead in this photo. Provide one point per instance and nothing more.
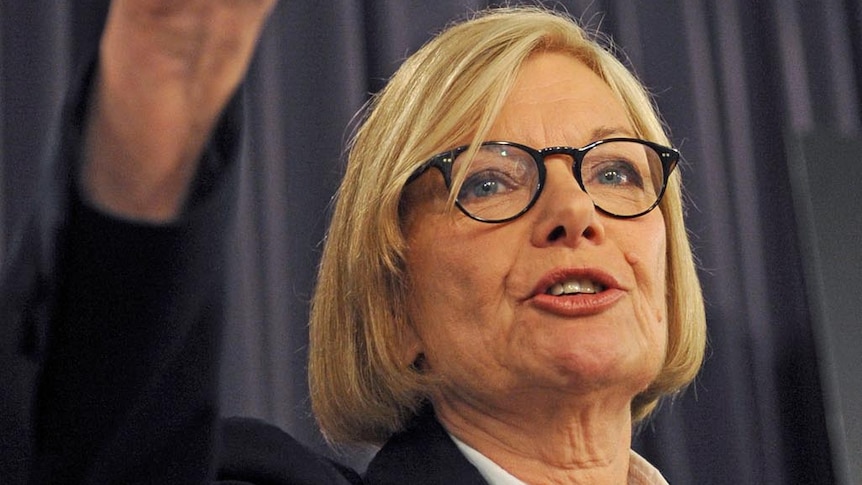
(559, 100)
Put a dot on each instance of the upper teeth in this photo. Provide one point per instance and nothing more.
(574, 286)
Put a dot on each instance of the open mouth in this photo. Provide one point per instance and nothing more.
(575, 287)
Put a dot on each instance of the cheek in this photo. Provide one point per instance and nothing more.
(440, 264)
(646, 255)
(457, 288)
(457, 291)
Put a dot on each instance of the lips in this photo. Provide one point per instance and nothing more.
(575, 286)
(572, 281)
(573, 292)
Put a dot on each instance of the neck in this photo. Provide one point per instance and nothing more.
(567, 443)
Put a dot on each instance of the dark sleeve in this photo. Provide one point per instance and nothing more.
(28, 281)
(110, 340)
(113, 329)
(254, 452)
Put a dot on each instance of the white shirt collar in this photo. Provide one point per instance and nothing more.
(493, 473)
(641, 472)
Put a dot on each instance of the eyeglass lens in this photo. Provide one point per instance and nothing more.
(624, 178)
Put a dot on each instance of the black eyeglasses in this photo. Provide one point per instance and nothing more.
(624, 177)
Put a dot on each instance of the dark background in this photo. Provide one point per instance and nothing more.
(762, 97)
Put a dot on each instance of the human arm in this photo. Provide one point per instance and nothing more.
(111, 306)
(166, 71)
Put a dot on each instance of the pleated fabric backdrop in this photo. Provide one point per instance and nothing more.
(732, 78)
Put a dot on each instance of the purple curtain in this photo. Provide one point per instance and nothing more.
(734, 80)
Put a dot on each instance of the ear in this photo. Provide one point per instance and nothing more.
(411, 348)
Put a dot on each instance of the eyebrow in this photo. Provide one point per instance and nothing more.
(603, 132)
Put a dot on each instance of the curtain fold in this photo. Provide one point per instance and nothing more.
(732, 79)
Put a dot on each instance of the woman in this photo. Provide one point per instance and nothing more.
(480, 310)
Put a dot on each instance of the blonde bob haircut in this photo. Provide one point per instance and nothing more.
(362, 389)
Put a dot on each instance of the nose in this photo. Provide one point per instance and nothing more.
(565, 214)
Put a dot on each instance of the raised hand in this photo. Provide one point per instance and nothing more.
(166, 70)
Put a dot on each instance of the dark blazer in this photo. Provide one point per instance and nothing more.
(255, 452)
(422, 454)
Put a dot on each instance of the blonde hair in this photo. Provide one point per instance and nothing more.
(449, 91)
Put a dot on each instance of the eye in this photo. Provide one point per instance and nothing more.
(486, 183)
(495, 172)
(620, 172)
(501, 180)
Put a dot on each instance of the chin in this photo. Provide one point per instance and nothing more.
(587, 371)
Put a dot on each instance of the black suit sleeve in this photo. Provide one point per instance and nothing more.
(254, 452)
(111, 330)
(110, 340)
(129, 388)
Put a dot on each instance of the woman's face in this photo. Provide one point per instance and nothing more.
(480, 297)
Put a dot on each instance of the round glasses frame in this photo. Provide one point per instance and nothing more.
(669, 158)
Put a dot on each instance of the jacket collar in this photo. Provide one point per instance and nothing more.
(422, 454)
